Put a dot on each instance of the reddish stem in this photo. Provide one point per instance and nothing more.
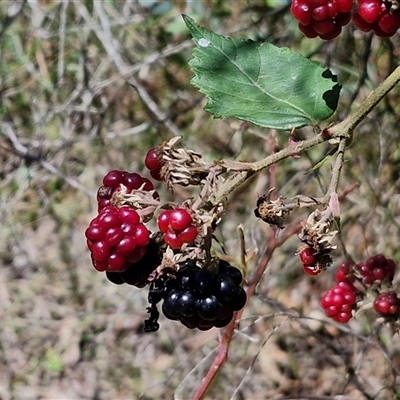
(225, 338)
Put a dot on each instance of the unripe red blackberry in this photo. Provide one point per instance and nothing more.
(380, 16)
(116, 239)
(153, 164)
(177, 227)
(342, 272)
(112, 182)
(376, 268)
(307, 256)
(323, 18)
(387, 304)
(339, 302)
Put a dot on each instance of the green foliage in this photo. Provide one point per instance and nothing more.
(53, 361)
(259, 82)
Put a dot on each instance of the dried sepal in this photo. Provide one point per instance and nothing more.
(394, 6)
(142, 201)
(273, 212)
(181, 166)
(317, 233)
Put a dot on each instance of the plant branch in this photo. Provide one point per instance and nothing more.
(337, 168)
(346, 127)
(225, 339)
(343, 129)
(251, 168)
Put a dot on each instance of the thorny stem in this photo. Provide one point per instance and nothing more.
(346, 127)
(337, 168)
(205, 190)
(342, 130)
(251, 168)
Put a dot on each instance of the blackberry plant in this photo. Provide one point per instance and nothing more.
(186, 278)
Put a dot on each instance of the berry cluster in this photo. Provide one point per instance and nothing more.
(375, 275)
(197, 297)
(387, 304)
(177, 227)
(339, 301)
(376, 268)
(197, 294)
(116, 239)
(112, 183)
(380, 16)
(323, 18)
(137, 274)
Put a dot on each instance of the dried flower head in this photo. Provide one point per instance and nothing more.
(272, 212)
(317, 234)
(181, 166)
(143, 201)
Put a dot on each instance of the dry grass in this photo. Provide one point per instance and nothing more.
(88, 87)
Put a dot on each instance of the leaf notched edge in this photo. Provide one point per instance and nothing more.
(330, 97)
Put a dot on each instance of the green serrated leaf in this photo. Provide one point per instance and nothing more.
(259, 82)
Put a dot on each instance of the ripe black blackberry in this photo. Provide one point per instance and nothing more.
(199, 298)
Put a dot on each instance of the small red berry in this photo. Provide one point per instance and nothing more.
(116, 262)
(339, 302)
(156, 175)
(101, 250)
(141, 235)
(152, 161)
(341, 273)
(308, 31)
(173, 240)
(311, 270)
(148, 184)
(95, 232)
(369, 11)
(344, 6)
(343, 317)
(133, 181)
(114, 236)
(129, 215)
(113, 179)
(307, 256)
(179, 219)
(302, 11)
(390, 23)
(163, 221)
(126, 245)
(189, 234)
(360, 23)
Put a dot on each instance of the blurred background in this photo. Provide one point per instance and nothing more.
(90, 86)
